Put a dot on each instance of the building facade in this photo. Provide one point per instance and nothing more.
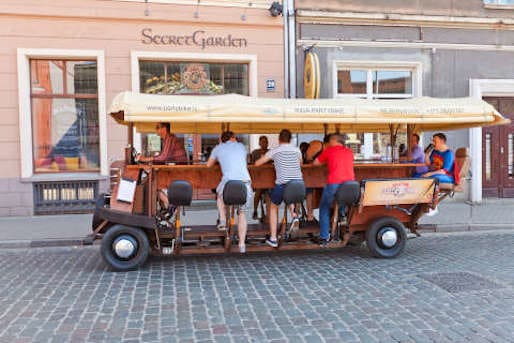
(64, 62)
(397, 49)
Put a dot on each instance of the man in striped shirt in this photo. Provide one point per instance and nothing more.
(287, 160)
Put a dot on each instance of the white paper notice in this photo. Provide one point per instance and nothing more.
(126, 190)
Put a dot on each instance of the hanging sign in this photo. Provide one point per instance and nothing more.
(311, 76)
(270, 85)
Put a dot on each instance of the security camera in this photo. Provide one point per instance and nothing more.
(275, 9)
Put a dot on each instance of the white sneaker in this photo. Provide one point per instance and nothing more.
(222, 227)
(272, 243)
(294, 226)
(242, 249)
(432, 212)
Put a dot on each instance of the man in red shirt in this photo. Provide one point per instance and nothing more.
(339, 160)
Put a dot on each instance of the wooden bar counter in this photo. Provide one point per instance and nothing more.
(201, 176)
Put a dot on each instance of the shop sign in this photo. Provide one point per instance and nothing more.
(270, 85)
(198, 38)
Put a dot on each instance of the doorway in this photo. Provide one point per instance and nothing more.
(498, 152)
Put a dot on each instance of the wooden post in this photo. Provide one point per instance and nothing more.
(410, 131)
(130, 135)
(197, 148)
(129, 152)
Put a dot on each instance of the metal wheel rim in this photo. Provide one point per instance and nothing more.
(387, 237)
(124, 247)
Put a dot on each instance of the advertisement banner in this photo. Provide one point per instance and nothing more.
(398, 192)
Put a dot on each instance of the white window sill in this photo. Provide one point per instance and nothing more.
(54, 177)
(498, 7)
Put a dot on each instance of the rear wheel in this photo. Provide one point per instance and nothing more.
(386, 237)
(124, 247)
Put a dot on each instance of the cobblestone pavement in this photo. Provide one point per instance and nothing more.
(67, 294)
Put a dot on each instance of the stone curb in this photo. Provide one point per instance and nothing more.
(463, 227)
(45, 243)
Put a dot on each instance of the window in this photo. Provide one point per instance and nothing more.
(64, 110)
(374, 83)
(191, 78)
(499, 2)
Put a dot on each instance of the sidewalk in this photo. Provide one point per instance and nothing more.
(462, 216)
(72, 229)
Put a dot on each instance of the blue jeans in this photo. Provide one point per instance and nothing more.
(443, 178)
(327, 199)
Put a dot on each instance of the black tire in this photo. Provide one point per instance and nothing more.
(133, 261)
(100, 202)
(375, 244)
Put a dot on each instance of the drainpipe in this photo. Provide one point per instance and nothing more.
(291, 27)
(286, 49)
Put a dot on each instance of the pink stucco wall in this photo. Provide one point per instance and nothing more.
(115, 28)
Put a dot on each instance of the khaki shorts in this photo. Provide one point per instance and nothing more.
(249, 196)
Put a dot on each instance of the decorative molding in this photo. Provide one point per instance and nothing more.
(402, 45)
(262, 4)
(499, 7)
(394, 19)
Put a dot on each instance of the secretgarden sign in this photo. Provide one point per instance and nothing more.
(198, 38)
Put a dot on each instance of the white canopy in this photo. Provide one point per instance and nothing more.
(242, 114)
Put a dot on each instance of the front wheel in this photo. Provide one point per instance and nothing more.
(124, 247)
(386, 237)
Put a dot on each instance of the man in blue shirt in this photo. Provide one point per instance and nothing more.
(231, 156)
(441, 160)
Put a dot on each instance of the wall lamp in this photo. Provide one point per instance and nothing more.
(275, 9)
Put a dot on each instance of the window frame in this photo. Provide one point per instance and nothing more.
(416, 69)
(137, 55)
(167, 62)
(25, 107)
(63, 95)
(498, 5)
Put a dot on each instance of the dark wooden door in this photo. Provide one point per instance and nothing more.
(498, 153)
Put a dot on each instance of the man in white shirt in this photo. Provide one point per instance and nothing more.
(287, 160)
(231, 156)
